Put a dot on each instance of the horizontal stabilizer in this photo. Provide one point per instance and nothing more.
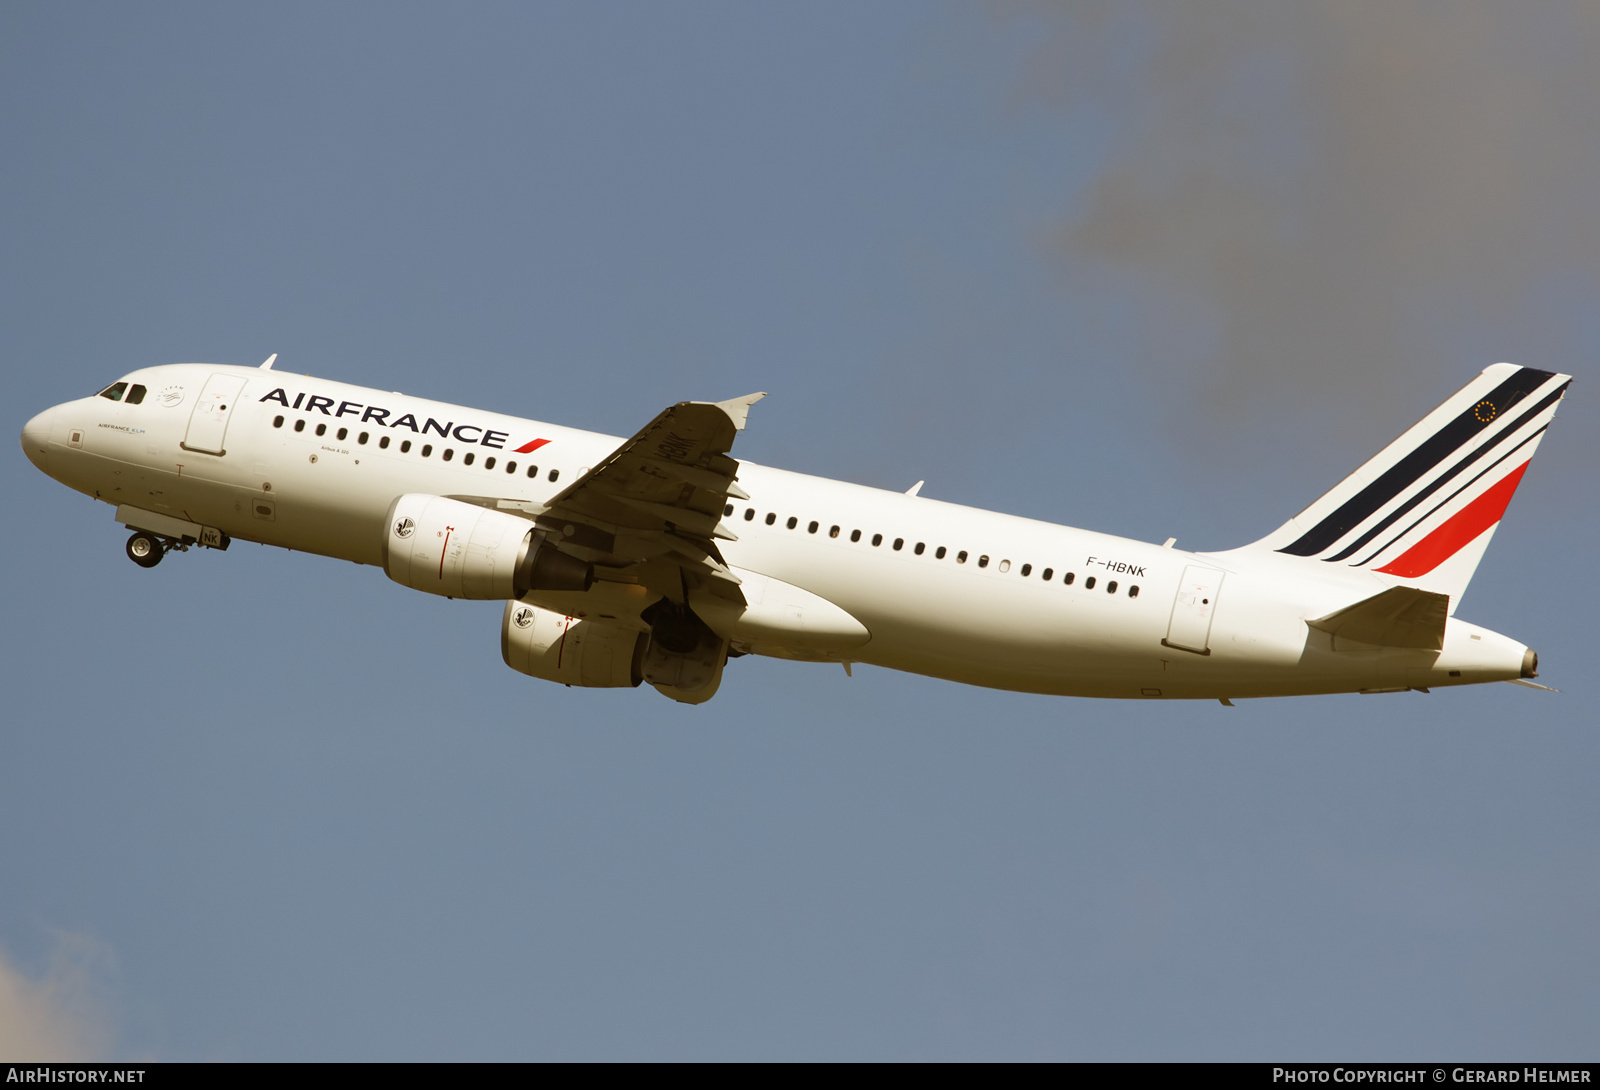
(1526, 684)
(1398, 617)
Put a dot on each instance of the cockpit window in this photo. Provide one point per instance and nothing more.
(135, 395)
(114, 391)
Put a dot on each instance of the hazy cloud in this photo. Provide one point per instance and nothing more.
(1344, 199)
(60, 1015)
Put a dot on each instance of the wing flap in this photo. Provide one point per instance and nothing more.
(661, 494)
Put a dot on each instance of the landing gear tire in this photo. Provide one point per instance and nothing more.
(145, 549)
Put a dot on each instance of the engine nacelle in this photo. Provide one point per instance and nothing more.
(545, 644)
(684, 659)
(460, 550)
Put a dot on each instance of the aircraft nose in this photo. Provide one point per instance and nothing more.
(35, 434)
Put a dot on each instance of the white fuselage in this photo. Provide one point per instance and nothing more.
(944, 590)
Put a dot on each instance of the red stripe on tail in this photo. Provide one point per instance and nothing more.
(1459, 529)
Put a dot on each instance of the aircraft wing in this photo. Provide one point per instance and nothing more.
(660, 495)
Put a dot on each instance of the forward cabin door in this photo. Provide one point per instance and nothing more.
(1192, 610)
(208, 423)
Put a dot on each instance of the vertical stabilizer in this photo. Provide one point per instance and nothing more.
(1423, 510)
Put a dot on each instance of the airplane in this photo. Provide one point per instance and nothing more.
(659, 557)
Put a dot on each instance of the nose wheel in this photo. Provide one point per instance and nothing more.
(145, 549)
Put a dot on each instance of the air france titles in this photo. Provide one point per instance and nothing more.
(379, 417)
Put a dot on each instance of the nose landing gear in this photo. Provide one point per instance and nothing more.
(155, 535)
(145, 549)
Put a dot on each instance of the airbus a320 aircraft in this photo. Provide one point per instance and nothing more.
(657, 558)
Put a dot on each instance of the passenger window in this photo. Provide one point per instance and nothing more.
(1066, 580)
(533, 471)
(554, 473)
(855, 535)
(728, 510)
(466, 459)
(1088, 584)
(1005, 565)
(899, 543)
(277, 421)
(811, 528)
(299, 425)
(833, 531)
(1046, 574)
(772, 516)
(511, 467)
(1027, 569)
(342, 433)
(983, 561)
(114, 391)
(488, 463)
(383, 442)
(135, 395)
(749, 513)
(877, 539)
(961, 557)
(1133, 591)
(362, 438)
(920, 546)
(1111, 587)
(322, 429)
(449, 453)
(938, 554)
(427, 450)
(792, 523)
(405, 446)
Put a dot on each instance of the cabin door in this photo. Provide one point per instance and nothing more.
(208, 424)
(1192, 610)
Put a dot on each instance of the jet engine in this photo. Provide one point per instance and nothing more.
(679, 657)
(685, 658)
(544, 644)
(460, 550)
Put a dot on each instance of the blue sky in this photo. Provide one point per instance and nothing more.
(1158, 271)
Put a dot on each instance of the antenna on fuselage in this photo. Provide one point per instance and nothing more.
(270, 359)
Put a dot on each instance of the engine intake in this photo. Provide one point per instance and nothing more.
(459, 550)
